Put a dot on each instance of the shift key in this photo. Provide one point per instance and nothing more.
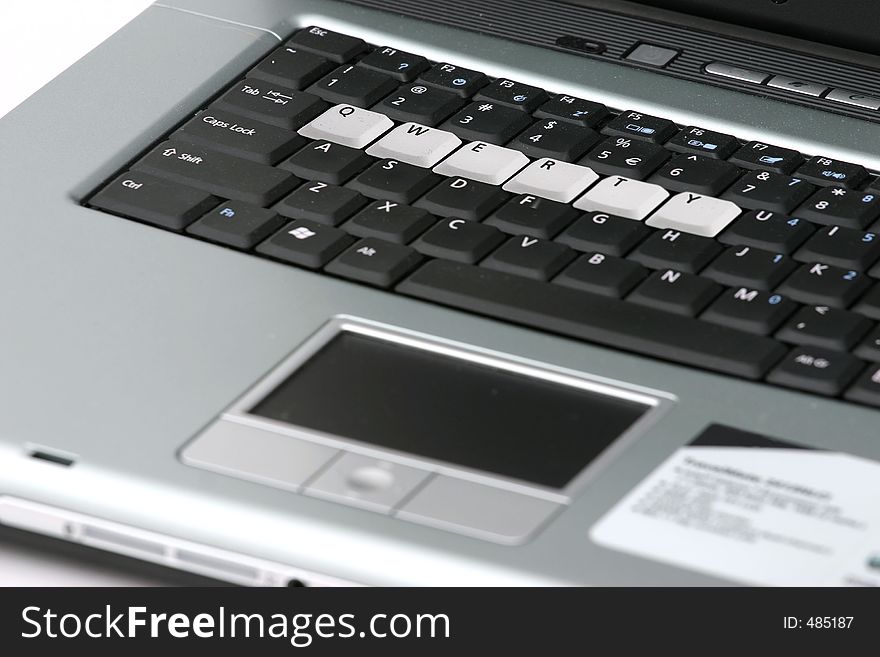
(217, 173)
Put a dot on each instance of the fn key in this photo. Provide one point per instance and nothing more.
(375, 261)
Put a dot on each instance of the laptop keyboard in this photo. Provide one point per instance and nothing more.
(538, 208)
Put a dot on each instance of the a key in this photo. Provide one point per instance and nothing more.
(570, 109)
(320, 202)
(558, 181)
(823, 285)
(622, 196)
(332, 45)
(866, 389)
(758, 155)
(694, 173)
(625, 157)
(396, 181)
(415, 144)
(553, 138)
(771, 231)
(348, 125)
(459, 240)
(306, 243)
(417, 103)
(869, 347)
(746, 265)
(400, 65)
(695, 213)
(144, 197)
(677, 250)
(240, 137)
(750, 310)
(821, 326)
(605, 233)
(463, 198)
(354, 85)
(513, 94)
(836, 206)
(768, 191)
(291, 67)
(816, 370)
(459, 80)
(841, 247)
(533, 216)
(483, 162)
(869, 305)
(641, 126)
(530, 257)
(485, 121)
(237, 224)
(327, 162)
(602, 274)
(269, 103)
(375, 261)
(217, 173)
(694, 140)
(825, 171)
(389, 221)
(675, 292)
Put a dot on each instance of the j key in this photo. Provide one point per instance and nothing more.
(869, 347)
(552, 179)
(394, 181)
(750, 310)
(825, 171)
(602, 274)
(694, 173)
(555, 139)
(623, 196)
(390, 221)
(484, 162)
(420, 104)
(348, 125)
(767, 230)
(217, 173)
(486, 121)
(513, 94)
(677, 250)
(869, 305)
(758, 155)
(332, 45)
(821, 326)
(327, 162)
(836, 206)
(625, 157)
(269, 103)
(823, 285)
(706, 143)
(317, 201)
(768, 191)
(291, 67)
(695, 213)
(578, 111)
(159, 202)
(306, 243)
(354, 85)
(593, 317)
(866, 389)
(641, 126)
(530, 257)
(841, 247)
(675, 292)
(237, 224)
(533, 216)
(466, 199)
(403, 66)
(751, 267)
(461, 81)
(606, 233)
(240, 137)
(375, 262)
(816, 370)
(459, 240)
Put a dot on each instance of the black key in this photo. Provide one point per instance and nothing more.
(420, 104)
(513, 94)
(825, 171)
(578, 111)
(836, 206)
(602, 274)
(866, 389)
(841, 247)
(461, 81)
(318, 201)
(530, 257)
(751, 267)
(706, 143)
(327, 162)
(675, 292)
(158, 202)
(823, 285)
(621, 156)
(375, 262)
(605, 233)
(459, 197)
(533, 216)
(237, 224)
(459, 240)
(240, 137)
(869, 305)
(291, 67)
(758, 155)
(390, 221)
(869, 347)
(768, 191)
(403, 66)
(217, 173)
(693, 173)
(641, 126)
(821, 326)
(750, 310)
(306, 243)
(332, 45)
(592, 317)
(816, 370)
(272, 104)
(676, 250)
(553, 138)
(395, 181)
(767, 230)
(488, 122)
(354, 85)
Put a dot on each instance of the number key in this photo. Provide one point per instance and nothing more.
(837, 206)
(768, 191)
(625, 157)
(420, 104)
(488, 122)
(694, 173)
(555, 139)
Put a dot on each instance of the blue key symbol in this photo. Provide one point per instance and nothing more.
(459, 82)
(403, 65)
(519, 98)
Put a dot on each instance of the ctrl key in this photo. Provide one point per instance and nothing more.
(816, 370)
(376, 262)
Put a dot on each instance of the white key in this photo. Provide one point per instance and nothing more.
(695, 213)
(416, 144)
(553, 179)
(348, 125)
(624, 197)
(483, 162)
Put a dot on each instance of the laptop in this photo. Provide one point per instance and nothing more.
(452, 293)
